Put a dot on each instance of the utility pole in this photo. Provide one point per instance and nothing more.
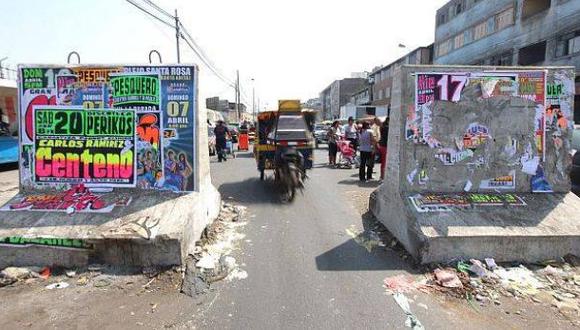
(177, 35)
(253, 100)
(1, 67)
(238, 94)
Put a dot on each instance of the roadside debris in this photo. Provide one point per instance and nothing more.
(447, 278)
(59, 285)
(552, 284)
(211, 261)
(401, 284)
(411, 321)
(363, 239)
(19, 273)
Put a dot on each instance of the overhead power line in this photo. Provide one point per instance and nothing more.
(150, 14)
(159, 9)
(182, 33)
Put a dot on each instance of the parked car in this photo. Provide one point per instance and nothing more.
(575, 172)
(8, 149)
(211, 141)
(320, 134)
(234, 132)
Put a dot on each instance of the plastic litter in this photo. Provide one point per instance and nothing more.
(59, 285)
(490, 262)
(45, 273)
(520, 279)
(447, 278)
(477, 268)
(412, 321)
(463, 267)
(206, 262)
(549, 270)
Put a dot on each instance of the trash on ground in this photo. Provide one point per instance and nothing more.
(18, 273)
(207, 261)
(411, 321)
(45, 273)
(59, 285)
(490, 262)
(519, 279)
(447, 278)
(361, 239)
(477, 268)
(400, 283)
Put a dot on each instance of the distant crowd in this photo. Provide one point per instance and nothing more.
(368, 139)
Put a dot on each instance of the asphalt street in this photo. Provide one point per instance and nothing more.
(304, 271)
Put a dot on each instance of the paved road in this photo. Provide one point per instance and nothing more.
(304, 271)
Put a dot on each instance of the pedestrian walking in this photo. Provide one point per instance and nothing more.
(367, 142)
(221, 136)
(383, 146)
(334, 133)
(351, 133)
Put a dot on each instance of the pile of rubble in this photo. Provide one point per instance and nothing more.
(552, 283)
(93, 276)
(212, 260)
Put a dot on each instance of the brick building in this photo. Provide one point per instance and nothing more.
(381, 78)
(510, 32)
(339, 93)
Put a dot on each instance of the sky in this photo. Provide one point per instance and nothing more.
(292, 49)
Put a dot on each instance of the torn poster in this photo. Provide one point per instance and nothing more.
(468, 186)
(411, 176)
(539, 182)
(530, 166)
(450, 156)
(495, 84)
(475, 135)
(503, 182)
(423, 177)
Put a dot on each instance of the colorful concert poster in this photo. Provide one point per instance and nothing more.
(84, 146)
(163, 99)
(178, 102)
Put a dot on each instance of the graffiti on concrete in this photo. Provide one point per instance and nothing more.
(444, 202)
(44, 241)
(76, 199)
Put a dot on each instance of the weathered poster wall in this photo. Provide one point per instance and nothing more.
(486, 132)
(159, 101)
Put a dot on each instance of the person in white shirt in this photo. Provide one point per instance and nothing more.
(351, 133)
(334, 133)
(367, 142)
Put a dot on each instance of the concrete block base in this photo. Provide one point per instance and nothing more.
(548, 227)
(155, 229)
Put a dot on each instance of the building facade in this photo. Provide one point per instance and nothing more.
(337, 94)
(362, 97)
(510, 32)
(227, 109)
(381, 78)
(313, 103)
